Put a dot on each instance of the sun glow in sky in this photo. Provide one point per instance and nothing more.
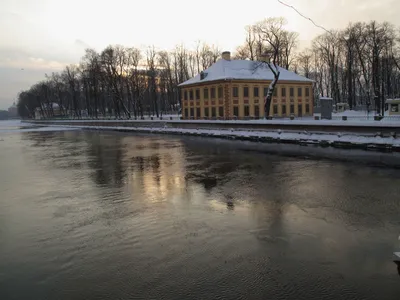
(42, 36)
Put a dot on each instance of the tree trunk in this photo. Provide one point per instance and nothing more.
(267, 102)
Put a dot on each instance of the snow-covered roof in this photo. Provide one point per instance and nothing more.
(52, 104)
(393, 101)
(243, 70)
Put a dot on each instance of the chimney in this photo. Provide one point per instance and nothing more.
(226, 55)
(263, 57)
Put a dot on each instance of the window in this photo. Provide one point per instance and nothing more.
(206, 112)
(265, 91)
(255, 91)
(246, 111)
(275, 92)
(213, 112)
(198, 114)
(307, 92)
(191, 112)
(197, 94)
(185, 95)
(292, 108)
(246, 92)
(191, 94)
(236, 111)
(394, 108)
(206, 93)
(275, 109)
(256, 111)
(307, 108)
(283, 91)
(186, 113)
(291, 92)
(220, 92)
(221, 111)
(283, 109)
(299, 92)
(213, 93)
(300, 109)
(235, 91)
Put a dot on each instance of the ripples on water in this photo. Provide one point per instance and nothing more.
(88, 215)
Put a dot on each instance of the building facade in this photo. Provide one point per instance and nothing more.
(237, 88)
(13, 111)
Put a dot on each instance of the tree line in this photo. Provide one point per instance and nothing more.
(122, 81)
(358, 65)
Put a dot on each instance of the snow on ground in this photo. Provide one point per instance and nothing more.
(303, 121)
(18, 126)
(307, 121)
(352, 113)
(39, 129)
(47, 128)
(10, 123)
(279, 135)
(355, 118)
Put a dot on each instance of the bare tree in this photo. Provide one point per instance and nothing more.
(271, 32)
(358, 64)
(304, 61)
(113, 60)
(152, 77)
(328, 46)
(70, 76)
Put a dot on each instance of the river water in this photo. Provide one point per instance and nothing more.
(90, 215)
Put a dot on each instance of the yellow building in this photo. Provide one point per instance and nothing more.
(237, 88)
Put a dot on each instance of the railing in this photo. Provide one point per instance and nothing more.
(316, 118)
(334, 118)
(112, 118)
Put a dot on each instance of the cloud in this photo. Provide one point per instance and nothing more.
(81, 44)
(13, 57)
(23, 66)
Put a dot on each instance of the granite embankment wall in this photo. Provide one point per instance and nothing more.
(361, 135)
(369, 127)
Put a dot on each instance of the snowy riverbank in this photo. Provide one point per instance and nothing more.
(354, 118)
(338, 140)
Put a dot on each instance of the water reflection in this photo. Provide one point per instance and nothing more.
(271, 185)
(105, 155)
(227, 217)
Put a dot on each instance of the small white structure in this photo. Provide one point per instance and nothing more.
(341, 107)
(393, 106)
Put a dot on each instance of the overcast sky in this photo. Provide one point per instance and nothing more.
(42, 36)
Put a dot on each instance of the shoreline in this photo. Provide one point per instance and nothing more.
(342, 140)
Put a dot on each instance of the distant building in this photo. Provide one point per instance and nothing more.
(13, 111)
(237, 88)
